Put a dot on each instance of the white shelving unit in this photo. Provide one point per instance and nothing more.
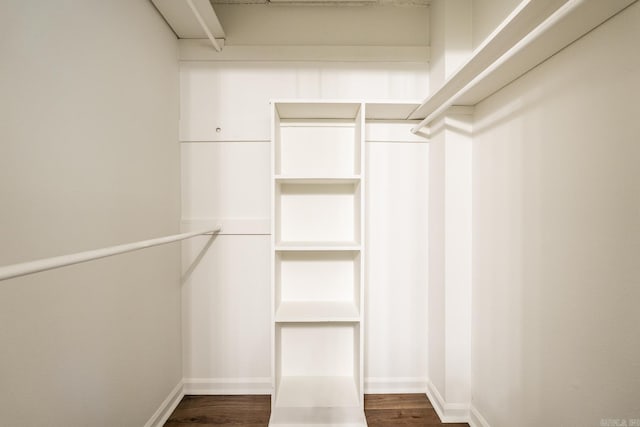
(318, 263)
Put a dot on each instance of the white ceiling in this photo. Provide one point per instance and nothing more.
(299, 22)
(284, 24)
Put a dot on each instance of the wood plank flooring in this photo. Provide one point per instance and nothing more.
(382, 410)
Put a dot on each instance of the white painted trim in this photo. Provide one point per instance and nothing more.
(460, 110)
(167, 407)
(448, 412)
(228, 386)
(476, 419)
(436, 399)
(388, 385)
(230, 226)
(200, 50)
(447, 120)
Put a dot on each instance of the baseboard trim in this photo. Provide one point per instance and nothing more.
(388, 385)
(169, 404)
(228, 386)
(448, 412)
(476, 419)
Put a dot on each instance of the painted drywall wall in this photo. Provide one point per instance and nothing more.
(450, 32)
(88, 159)
(487, 15)
(556, 238)
(226, 174)
(396, 350)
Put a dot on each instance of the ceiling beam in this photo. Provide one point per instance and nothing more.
(192, 19)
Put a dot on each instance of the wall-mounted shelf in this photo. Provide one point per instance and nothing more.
(533, 32)
(288, 179)
(317, 212)
(317, 246)
(317, 311)
(318, 374)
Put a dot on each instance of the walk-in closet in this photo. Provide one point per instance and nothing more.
(349, 213)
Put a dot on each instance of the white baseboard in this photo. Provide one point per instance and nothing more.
(476, 419)
(384, 385)
(228, 386)
(166, 407)
(448, 412)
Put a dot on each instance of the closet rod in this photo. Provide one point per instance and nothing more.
(22, 269)
(505, 40)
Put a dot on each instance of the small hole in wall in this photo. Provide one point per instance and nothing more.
(218, 130)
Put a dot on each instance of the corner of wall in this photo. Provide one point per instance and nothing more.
(476, 419)
(167, 407)
(448, 412)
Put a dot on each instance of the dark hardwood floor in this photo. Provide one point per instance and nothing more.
(382, 410)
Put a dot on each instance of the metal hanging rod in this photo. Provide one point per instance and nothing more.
(24, 268)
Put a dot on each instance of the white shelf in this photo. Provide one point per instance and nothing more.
(532, 33)
(318, 350)
(290, 179)
(317, 246)
(324, 391)
(325, 277)
(317, 311)
(321, 212)
(321, 148)
(315, 110)
(318, 417)
(390, 111)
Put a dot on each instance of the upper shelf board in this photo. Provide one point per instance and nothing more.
(532, 33)
(317, 110)
(337, 110)
(390, 111)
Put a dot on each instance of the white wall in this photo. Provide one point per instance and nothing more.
(487, 15)
(226, 175)
(396, 351)
(450, 35)
(88, 158)
(556, 238)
